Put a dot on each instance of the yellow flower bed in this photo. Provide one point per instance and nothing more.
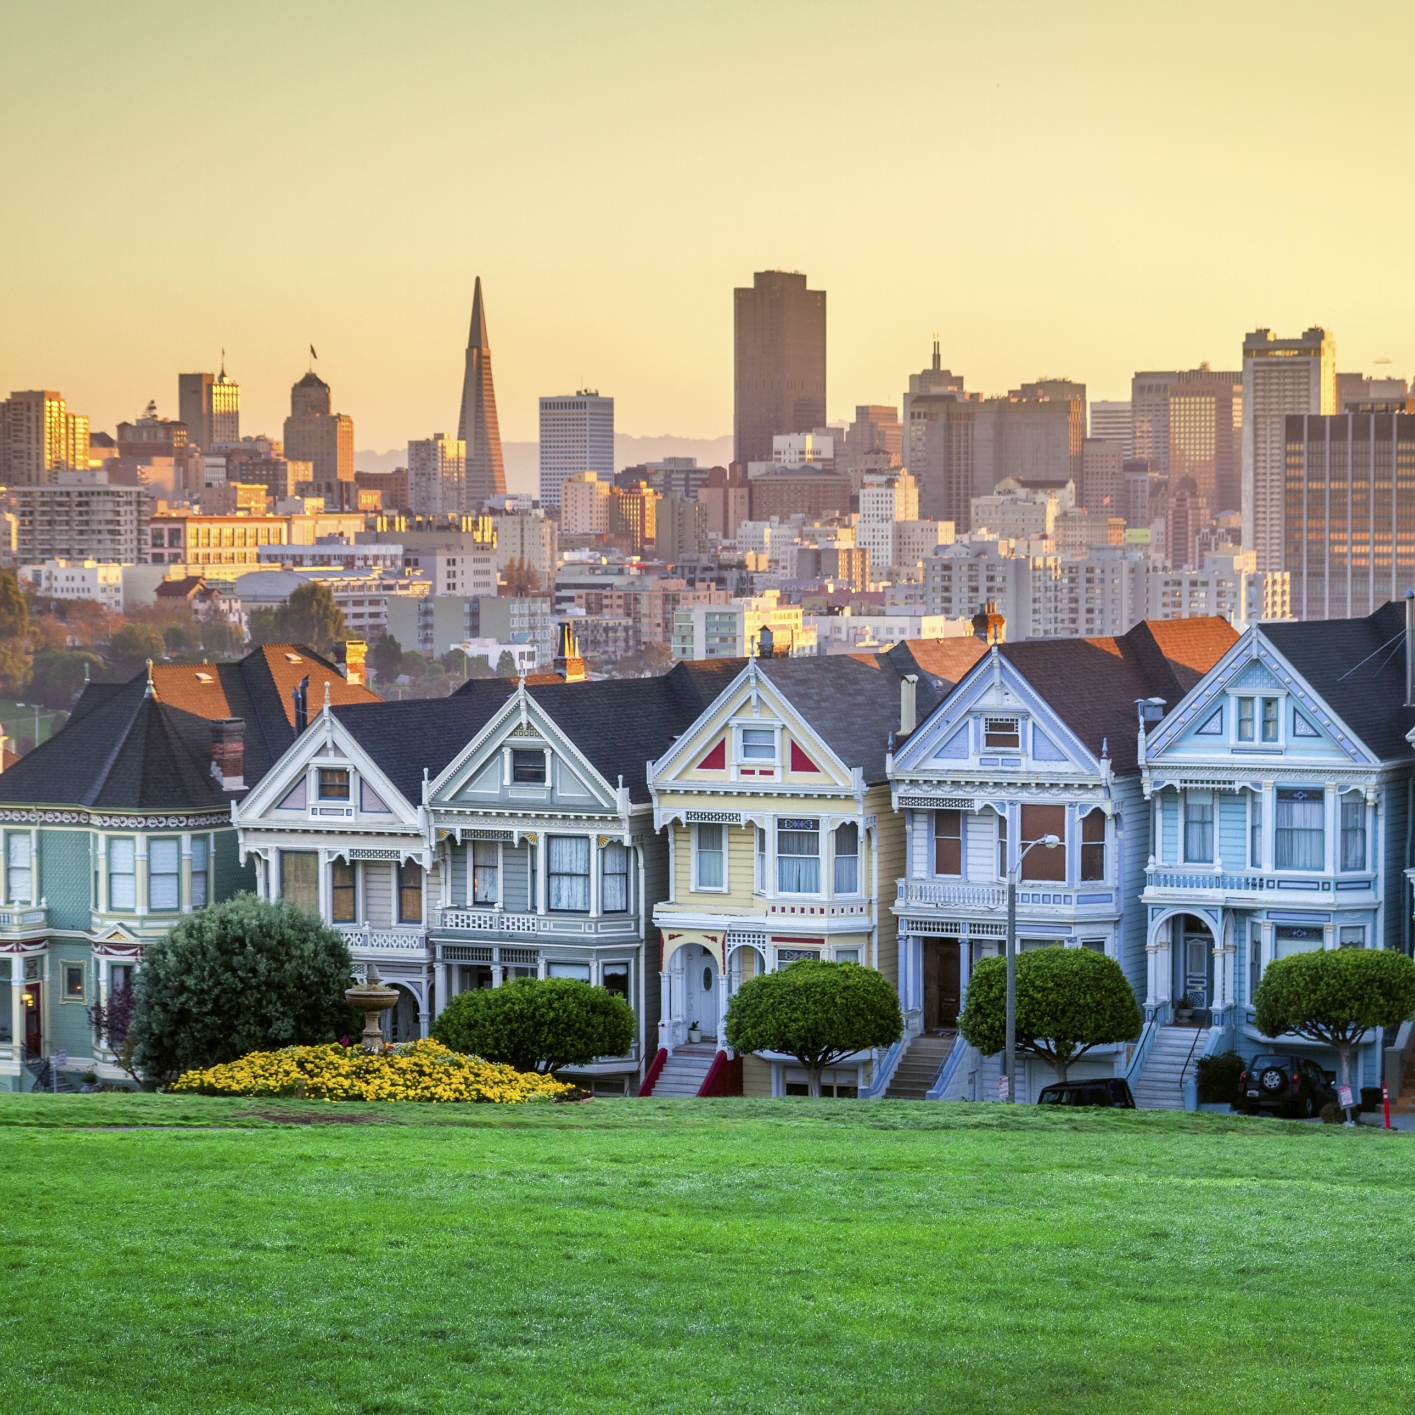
(414, 1071)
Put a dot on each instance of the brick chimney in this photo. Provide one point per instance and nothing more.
(989, 625)
(568, 663)
(228, 752)
(350, 658)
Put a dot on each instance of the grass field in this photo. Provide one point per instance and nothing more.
(166, 1254)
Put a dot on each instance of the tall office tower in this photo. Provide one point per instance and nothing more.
(576, 435)
(1280, 376)
(1102, 488)
(39, 435)
(779, 362)
(324, 439)
(1205, 434)
(437, 476)
(1111, 421)
(942, 431)
(1149, 418)
(1349, 509)
(477, 426)
(1055, 390)
(1186, 515)
(210, 405)
(934, 379)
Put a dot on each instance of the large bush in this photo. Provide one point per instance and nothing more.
(1068, 1001)
(1335, 996)
(239, 977)
(1218, 1078)
(537, 1024)
(815, 1011)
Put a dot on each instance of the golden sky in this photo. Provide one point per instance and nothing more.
(1076, 189)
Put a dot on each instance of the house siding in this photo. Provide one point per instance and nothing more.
(890, 847)
(378, 893)
(65, 877)
(515, 878)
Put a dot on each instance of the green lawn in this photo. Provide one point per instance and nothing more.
(696, 1256)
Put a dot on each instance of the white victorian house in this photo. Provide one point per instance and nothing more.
(1039, 739)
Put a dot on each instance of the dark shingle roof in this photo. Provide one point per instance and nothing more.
(1357, 667)
(1092, 684)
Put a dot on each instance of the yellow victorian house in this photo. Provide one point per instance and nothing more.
(783, 845)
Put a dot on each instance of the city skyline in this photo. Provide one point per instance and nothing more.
(633, 297)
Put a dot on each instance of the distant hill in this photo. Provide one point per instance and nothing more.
(523, 467)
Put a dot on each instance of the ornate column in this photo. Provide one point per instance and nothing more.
(139, 870)
(665, 1030)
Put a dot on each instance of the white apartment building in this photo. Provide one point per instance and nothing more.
(576, 435)
(1013, 512)
(1280, 376)
(867, 633)
(584, 505)
(437, 476)
(362, 595)
(333, 553)
(1111, 421)
(78, 579)
(734, 630)
(80, 516)
(455, 572)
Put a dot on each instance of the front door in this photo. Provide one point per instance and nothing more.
(700, 989)
(1198, 954)
(941, 984)
(34, 1029)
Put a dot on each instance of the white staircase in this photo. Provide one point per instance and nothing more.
(1160, 1085)
(685, 1071)
(918, 1067)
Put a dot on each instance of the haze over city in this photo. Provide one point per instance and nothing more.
(1071, 191)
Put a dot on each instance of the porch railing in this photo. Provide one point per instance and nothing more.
(371, 940)
(489, 921)
(955, 896)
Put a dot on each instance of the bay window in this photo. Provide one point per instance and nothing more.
(708, 872)
(299, 879)
(1199, 827)
(1093, 845)
(122, 874)
(847, 858)
(761, 861)
(1043, 864)
(798, 849)
(342, 893)
(1002, 845)
(1299, 830)
(17, 859)
(569, 874)
(410, 893)
(486, 872)
(164, 875)
(614, 878)
(1353, 831)
(948, 842)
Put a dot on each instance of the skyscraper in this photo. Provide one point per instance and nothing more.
(210, 405)
(38, 435)
(1280, 377)
(576, 435)
(325, 439)
(477, 426)
(436, 476)
(1111, 421)
(779, 362)
(1205, 434)
(934, 379)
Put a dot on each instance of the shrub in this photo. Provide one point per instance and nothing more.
(416, 1071)
(537, 1024)
(1068, 1001)
(241, 976)
(815, 1011)
(1336, 996)
(1218, 1078)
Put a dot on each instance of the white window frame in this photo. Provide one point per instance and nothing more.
(858, 857)
(695, 884)
(165, 840)
(472, 901)
(821, 830)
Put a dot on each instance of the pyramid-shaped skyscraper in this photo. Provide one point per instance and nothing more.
(477, 427)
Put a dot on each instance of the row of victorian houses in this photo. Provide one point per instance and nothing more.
(1223, 800)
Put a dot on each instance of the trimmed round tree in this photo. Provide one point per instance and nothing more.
(244, 975)
(1335, 996)
(815, 1011)
(537, 1024)
(1068, 1001)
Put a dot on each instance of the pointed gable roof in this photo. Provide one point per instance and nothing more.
(1357, 667)
(125, 749)
(1092, 684)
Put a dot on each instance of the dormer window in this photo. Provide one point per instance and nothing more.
(1002, 732)
(758, 744)
(334, 783)
(1257, 719)
(528, 766)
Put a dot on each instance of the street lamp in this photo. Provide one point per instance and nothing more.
(1009, 1060)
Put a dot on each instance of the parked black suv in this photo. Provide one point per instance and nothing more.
(1111, 1091)
(1285, 1085)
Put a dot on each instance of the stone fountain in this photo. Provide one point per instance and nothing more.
(373, 999)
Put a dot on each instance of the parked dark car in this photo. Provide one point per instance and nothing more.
(1285, 1085)
(1111, 1091)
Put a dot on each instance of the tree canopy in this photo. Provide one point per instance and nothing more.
(133, 645)
(537, 1024)
(310, 616)
(520, 577)
(1068, 1001)
(1335, 996)
(58, 676)
(241, 976)
(506, 665)
(815, 1011)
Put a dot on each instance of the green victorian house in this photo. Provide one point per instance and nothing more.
(122, 823)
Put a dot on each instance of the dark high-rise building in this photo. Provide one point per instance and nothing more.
(779, 368)
(1349, 509)
(323, 438)
(210, 405)
(485, 474)
(942, 429)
